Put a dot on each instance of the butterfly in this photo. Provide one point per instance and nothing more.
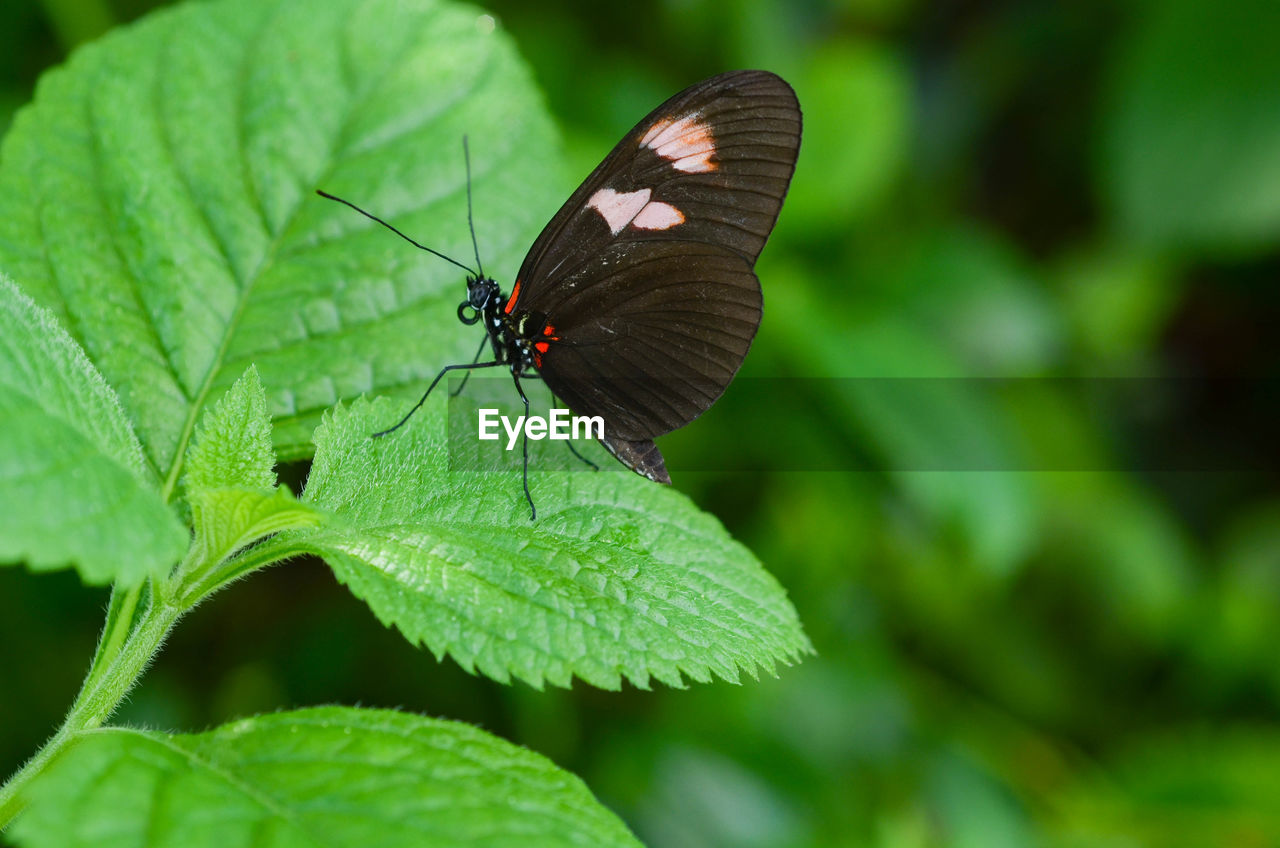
(639, 300)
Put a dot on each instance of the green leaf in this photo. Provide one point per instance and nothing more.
(74, 488)
(233, 444)
(228, 519)
(159, 197)
(231, 484)
(332, 776)
(617, 577)
(1192, 135)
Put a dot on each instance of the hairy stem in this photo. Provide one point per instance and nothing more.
(120, 619)
(247, 561)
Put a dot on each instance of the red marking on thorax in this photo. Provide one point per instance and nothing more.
(511, 301)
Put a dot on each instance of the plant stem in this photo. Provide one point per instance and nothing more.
(120, 619)
(273, 550)
(116, 668)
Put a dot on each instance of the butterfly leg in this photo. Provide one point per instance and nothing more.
(423, 399)
(483, 341)
(569, 444)
(533, 511)
(574, 451)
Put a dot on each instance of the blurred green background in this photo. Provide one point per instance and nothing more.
(1078, 656)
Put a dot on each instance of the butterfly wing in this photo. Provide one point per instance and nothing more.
(720, 153)
(644, 276)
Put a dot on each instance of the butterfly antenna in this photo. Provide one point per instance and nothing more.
(405, 237)
(466, 157)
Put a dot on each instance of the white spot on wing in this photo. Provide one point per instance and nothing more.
(687, 143)
(658, 216)
(647, 139)
(618, 208)
(634, 207)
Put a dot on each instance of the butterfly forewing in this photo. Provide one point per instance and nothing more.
(728, 195)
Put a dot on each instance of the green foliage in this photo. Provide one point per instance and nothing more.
(901, 390)
(617, 577)
(855, 130)
(229, 518)
(1079, 199)
(231, 481)
(329, 776)
(159, 198)
(73, 482)
(1193, 133)
(233, 444)
(1192, 789)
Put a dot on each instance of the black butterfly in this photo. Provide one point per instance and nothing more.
(638, 301)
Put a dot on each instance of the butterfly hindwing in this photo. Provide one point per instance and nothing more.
(649, 341)
(642, 457)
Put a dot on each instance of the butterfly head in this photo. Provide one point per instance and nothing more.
(481, 291)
